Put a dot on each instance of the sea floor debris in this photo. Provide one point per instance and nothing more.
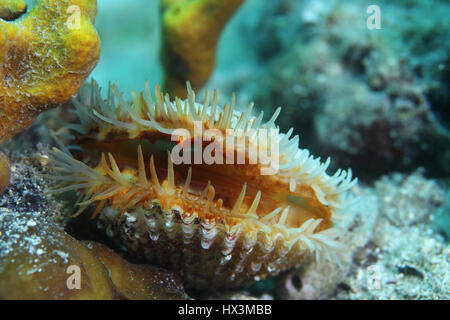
(44, 60)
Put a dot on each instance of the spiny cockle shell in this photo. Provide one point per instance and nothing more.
(219, 225)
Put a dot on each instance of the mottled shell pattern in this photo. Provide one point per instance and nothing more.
(219, 225)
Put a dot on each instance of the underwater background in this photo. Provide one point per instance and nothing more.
(374, 100)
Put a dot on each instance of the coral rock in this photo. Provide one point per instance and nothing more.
(191, 30)
(11, 9)
(138, 281)
(45, 57)
(36, 264)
